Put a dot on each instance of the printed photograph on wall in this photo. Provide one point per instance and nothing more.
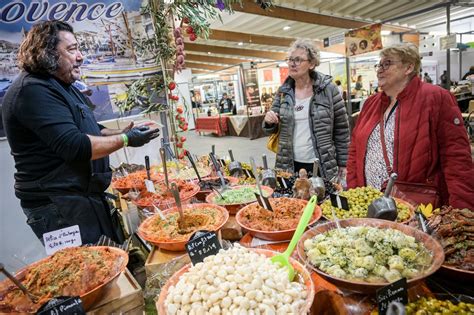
(363, 40)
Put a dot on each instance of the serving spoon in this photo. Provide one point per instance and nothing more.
(30, 295)
(283, 259)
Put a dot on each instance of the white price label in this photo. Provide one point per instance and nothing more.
(63, 238)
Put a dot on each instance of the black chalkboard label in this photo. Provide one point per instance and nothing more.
(282, 182)
(222, 162)
(201, 245)
(339, 201)
(62, 305)
(394, 292)
(248, 173)
(263, 201)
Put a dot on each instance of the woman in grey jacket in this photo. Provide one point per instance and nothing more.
(311, 115)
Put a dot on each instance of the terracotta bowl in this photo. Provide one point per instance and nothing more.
(369, 288)
(124, 188)
(456, 273)
(179, 245)
(89, 298)
(302, 275)
(282, 235)
(202, 194)
(168, 202)
(233, 208)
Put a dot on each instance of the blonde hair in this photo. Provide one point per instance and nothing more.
(408, 54)
(308, 45)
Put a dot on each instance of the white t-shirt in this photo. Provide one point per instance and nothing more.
(302, 143)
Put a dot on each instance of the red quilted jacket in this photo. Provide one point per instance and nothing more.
(431, 144)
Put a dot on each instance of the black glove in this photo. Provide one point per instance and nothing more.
(141, 135)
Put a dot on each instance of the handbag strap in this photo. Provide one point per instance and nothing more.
(382, 139)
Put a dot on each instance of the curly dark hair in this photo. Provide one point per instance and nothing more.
(37, 53)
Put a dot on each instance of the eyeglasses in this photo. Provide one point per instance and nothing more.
(385, 65)
(297, 60)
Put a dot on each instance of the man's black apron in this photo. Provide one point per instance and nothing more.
(77, 188)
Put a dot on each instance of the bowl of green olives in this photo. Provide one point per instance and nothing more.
(359, 200)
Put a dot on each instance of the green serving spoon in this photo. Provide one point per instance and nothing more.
(283, 259)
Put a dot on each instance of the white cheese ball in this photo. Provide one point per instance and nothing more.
(235, 281)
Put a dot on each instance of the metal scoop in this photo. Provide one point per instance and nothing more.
(235, 168)
(219, 172)
(384, 207)
(268, 175)
(30, 295)
(317, 183)
(181, 221)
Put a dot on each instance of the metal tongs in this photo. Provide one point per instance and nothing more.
(268, 175)
(30, 295)
(235, 167)
(317, 182)
(385, 206)
(259, 187)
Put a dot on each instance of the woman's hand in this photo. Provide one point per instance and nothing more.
(271, 118)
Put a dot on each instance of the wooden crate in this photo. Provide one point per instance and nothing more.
(125, 296)
(158, 257)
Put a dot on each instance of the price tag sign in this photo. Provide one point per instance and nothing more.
(62, 305)
(63, 238)
(201, 245)
(282, 182)
(339, 201)
(150, 186)
(394, 292)
(263, 202)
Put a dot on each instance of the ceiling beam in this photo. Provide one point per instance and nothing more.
(235, 51)
(194, 65)
(213, 59)
(250, 38)
(249, 6)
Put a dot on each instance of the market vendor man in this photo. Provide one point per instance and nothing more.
(60, 151)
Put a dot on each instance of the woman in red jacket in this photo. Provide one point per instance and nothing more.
(423, 131)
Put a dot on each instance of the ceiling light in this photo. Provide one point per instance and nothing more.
(208, 52)
(286, 28)
(240, 43)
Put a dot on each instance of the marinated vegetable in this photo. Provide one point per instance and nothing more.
(286, 215)
(238, 195)
(164, 197)
(200, 217)
(236, 281)
(425, 306)
(69, 272)
(368, 254)
(359, 200)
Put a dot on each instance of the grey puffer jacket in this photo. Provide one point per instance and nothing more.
(328, 120)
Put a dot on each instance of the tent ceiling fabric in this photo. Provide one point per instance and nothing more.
(262, 36)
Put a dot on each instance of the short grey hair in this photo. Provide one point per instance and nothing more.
(408, 54)
(310, 47)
